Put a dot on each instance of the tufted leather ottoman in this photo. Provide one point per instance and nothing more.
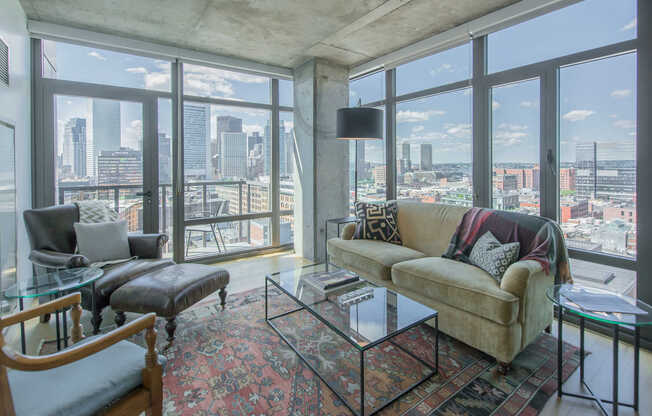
(168, 291)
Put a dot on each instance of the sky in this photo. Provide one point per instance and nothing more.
(597, 99)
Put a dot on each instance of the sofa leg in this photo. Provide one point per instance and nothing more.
(120, 318)
(503, 367)
(223, 297)
(548, 329)
(96, 320)
(170, 326)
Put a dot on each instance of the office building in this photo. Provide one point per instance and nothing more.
(196, 145)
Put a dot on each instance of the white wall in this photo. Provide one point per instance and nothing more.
(15, 109)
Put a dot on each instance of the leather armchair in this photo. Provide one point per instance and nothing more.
(53, 243)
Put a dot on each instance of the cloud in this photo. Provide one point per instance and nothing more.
(509, 138)
(512, 127)
(621, 93)
(528, 104)
(407, 116)
(205, 81)
(578, 115)
(96, 54)
(460, 131)
(288, 124)
(250, 128)
(441, 68)
(137, 70)
(495, 105)
(134, 133)
(629, 26)
(154, 80)
(417, 129)
(624, 124)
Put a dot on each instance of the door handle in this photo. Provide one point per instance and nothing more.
(148, 194)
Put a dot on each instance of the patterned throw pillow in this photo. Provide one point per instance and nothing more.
(377, 222)
(493, 257)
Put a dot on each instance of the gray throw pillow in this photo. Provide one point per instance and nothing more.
(493, 257)
(103, 241)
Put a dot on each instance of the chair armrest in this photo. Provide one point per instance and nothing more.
(348, 231)
(517, 277)
(147, 246)
(56, 260)
(49, 307)
(17, 361)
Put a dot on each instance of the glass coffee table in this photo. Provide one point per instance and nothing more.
(618, 321)
(54, 284)
(371, 315)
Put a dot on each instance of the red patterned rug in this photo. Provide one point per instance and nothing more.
(232, 363)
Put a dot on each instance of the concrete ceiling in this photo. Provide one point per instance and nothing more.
(278, 32)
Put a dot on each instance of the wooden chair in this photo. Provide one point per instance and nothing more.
(69, 370)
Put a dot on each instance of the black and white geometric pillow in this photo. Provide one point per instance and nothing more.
(493, 257)
(377, 222)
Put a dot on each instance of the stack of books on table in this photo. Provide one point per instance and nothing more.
(326, 282)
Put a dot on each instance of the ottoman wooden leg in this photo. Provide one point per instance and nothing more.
(170, 326)
(223, 297)
(120, 318)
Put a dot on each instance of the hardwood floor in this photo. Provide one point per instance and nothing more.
(249, 273)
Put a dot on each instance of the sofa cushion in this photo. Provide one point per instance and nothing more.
(428, 228)
(80, 388)
(377, 222)
(374, 257)
(457, 284)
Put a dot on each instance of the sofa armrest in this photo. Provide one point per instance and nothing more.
(55, 260)
(527, 281)
(348, 230)
(147, 246)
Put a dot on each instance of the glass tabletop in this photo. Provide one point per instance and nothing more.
(367, 314)
(54, 282)
(562, 294)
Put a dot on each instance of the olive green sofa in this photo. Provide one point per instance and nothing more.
(498, 319)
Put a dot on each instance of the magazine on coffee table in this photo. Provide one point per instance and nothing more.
(326, 281)
(600, 302)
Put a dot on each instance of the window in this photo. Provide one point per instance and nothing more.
(371, 170)
(98, 66)
(442, 68)
(433, 149)
(165, 164)
(99, 154)
(598, 155)
(286, 92)
(368, 89)
(515, 146)
(586, 25)
(203, 81)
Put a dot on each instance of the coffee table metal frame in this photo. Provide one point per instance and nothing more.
(361, 349)
(616, 338)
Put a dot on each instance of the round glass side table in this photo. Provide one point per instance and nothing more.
(559, 295)
(54, 284)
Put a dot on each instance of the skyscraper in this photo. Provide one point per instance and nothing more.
(233, 155)
(164, 159)
(426, 156)
(196, 147)
(106, 130)
(73, 159)
(405, 152)
(606, 170)
(225, 124)
(120, 167)
(361, 164)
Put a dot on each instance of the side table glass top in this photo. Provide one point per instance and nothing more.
(377, 314)
(54, 282)
(556, 295)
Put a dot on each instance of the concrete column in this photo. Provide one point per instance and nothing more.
(321, 180)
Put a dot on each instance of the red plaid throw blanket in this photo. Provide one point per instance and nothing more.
(540, 238)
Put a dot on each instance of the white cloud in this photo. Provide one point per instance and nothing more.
(407, 116)
(629, 26)
(578, 115)
(157, 80)
(621, 93)
(250, 128)
(495, 105)
(417, 129)
(96, 54)
(512, 127)
(613, 115)
(460, 131)
(624, 124)
(137, 70)
(134, 133)
(509, 138)
(441, 68)
(289, 124)
(528, 104)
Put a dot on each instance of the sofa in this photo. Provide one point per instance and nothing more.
(500, 319)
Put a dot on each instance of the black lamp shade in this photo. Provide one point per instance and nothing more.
(359, 123)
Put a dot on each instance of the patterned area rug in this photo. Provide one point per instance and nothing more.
(232, 363)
